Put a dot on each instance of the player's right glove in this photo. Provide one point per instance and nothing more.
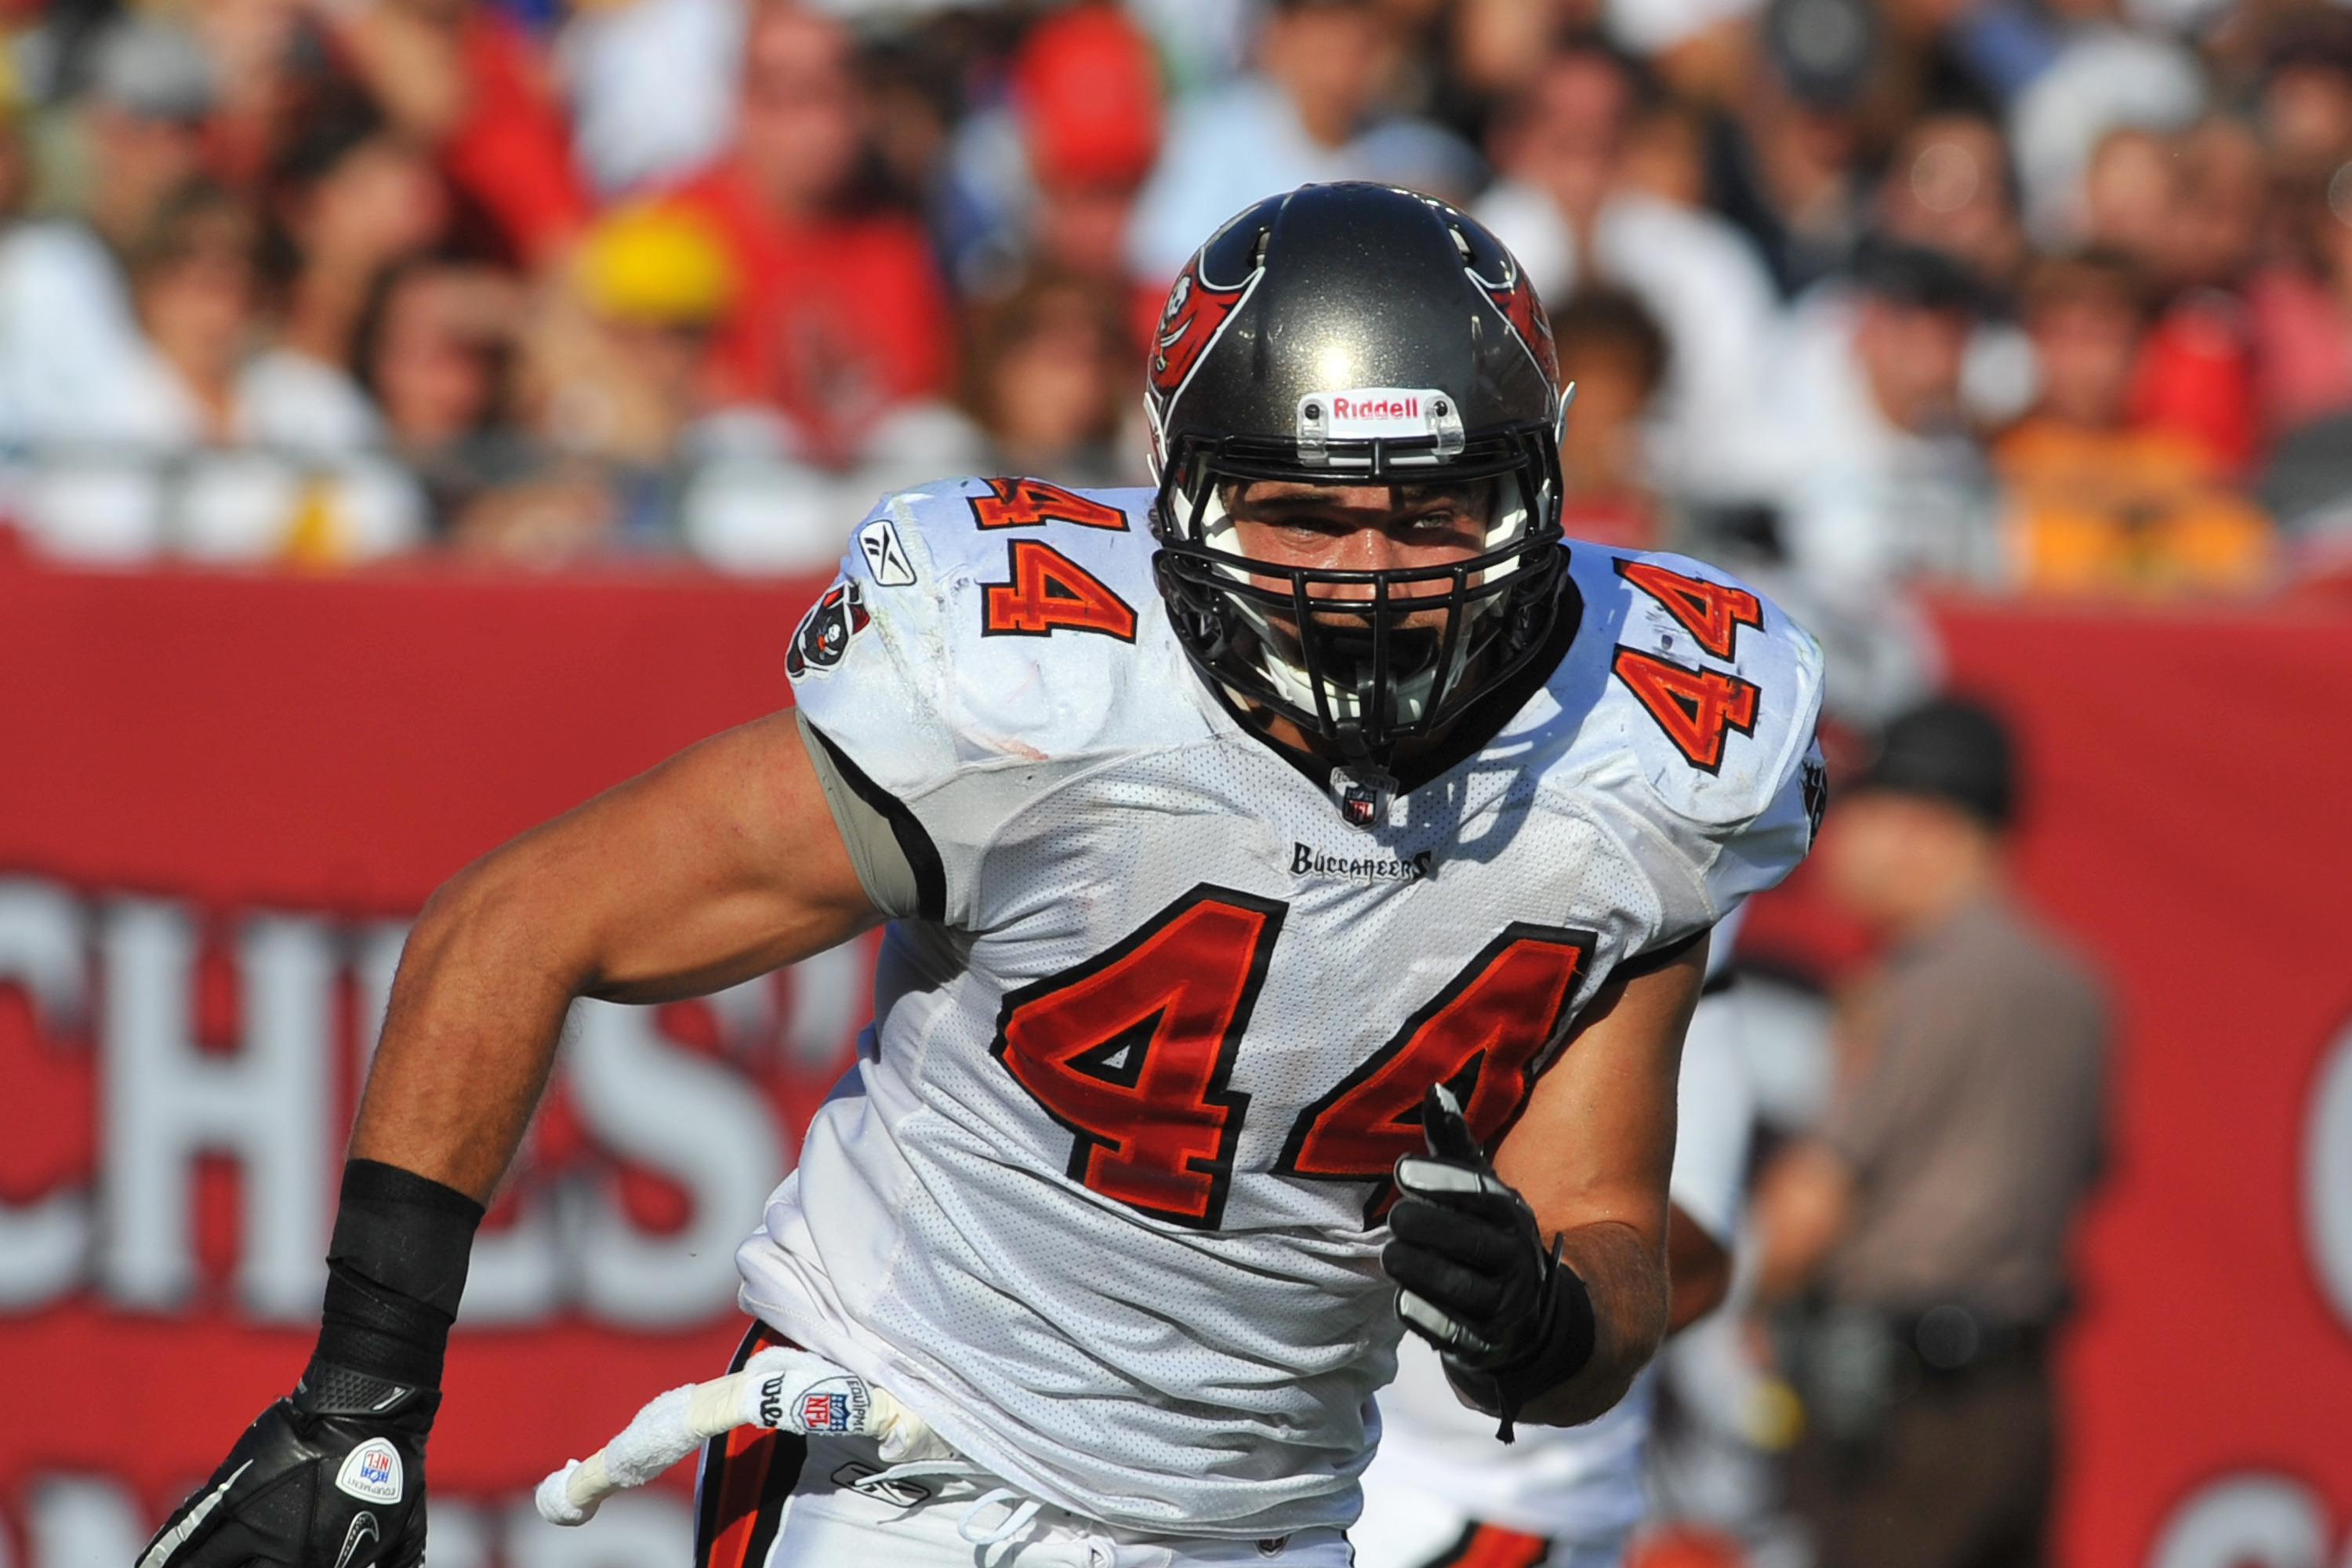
(332, 1475)
(1473, 1276)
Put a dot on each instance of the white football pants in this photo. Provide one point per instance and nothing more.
(967, 1520)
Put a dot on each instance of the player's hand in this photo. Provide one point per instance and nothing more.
(331, 1477)
(1473, 1275)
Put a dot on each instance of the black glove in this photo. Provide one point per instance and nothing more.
(334, 1475)
(1473, 1276)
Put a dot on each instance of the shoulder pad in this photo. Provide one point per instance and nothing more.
(1712, 693)
(980, 619)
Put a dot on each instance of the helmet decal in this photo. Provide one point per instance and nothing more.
(1195, 313)
(1516, 298)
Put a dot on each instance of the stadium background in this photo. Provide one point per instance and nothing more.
(381, 473)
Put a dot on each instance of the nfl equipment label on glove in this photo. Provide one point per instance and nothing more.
(836, 1407)
(371, 1472)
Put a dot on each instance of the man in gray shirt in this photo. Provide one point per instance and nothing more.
(1930, 1214)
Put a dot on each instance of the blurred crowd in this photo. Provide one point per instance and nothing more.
(2035, 296)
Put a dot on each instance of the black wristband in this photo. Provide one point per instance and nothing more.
(395, 1273)
(1562, 1348)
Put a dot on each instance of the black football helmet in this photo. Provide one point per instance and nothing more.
(1355, 334)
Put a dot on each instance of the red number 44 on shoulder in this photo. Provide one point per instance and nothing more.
(1032, 503)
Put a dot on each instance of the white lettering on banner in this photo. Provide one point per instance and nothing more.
(94, 1522)
(270, 1104)
(44, 1244)
(690, 1120)
(167, 1100)
(2328, 1177)
(80, 1521)
(2249, 1520)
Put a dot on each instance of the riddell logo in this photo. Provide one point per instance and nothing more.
(1344, 407)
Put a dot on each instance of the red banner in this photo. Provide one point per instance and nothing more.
(220, 797)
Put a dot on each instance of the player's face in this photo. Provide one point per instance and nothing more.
(1362, 528)
(1359, 528)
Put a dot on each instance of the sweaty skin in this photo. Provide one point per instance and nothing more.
(724, 862)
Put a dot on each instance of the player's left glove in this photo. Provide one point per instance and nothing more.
(333, 1474)
(1473, 1276)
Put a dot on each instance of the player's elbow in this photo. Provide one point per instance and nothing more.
(500, 914)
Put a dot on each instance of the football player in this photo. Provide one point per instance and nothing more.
(1221, 827)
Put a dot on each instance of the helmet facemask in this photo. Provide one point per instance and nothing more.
(1365, 660)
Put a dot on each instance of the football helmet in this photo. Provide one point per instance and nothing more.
(1355, 334)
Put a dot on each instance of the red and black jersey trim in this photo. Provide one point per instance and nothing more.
(1491, 1546)
(744, 1480)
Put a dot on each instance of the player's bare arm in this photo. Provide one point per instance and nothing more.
(1591, 1155)
(721, 864)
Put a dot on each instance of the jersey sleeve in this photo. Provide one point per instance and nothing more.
(1714, 694)
(923, 723)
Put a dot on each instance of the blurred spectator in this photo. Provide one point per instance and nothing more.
(1785, 165)
(143, 122)
(1934, 1207)
(652, 86)
(2302, 310)
(68, 343)
(2102, 76)
(467, 81)
(2189, 211)
(1878, 480)
(1310, 112)
(347, 197)
(433, 348)
(1046, 376)
(1611, 350)
(838, 316)
(2306, 95)
(2096, 502)
(1050, 176)
(191, 283)
(1949, 186)
(1598, 186)
(607, 383)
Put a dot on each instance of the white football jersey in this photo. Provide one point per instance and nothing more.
(1106, 1210)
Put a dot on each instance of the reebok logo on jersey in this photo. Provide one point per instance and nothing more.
(886, 555)
(370, 1472)
(1309, 861)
